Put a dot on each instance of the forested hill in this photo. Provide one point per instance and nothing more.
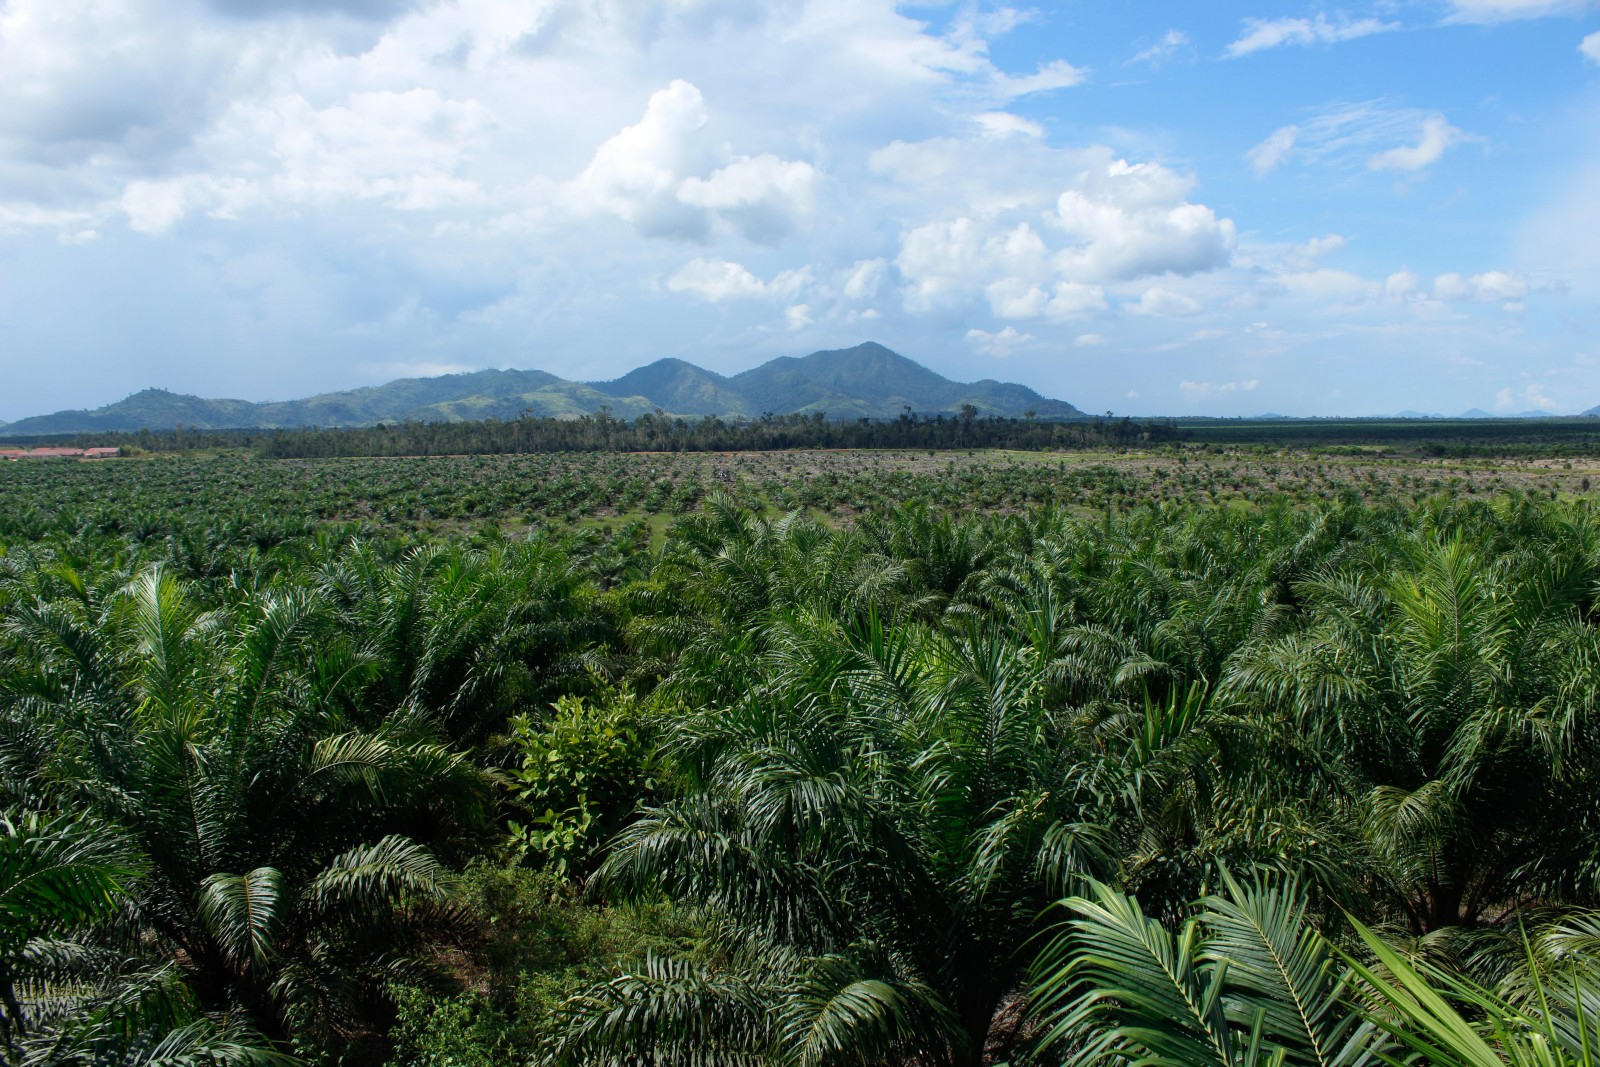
(867, 381)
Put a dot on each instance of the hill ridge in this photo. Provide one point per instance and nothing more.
(869, 380)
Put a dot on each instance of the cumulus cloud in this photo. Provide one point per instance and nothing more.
(1030, 254)
(1261, 34)
(952, 260)
(640, 175)
(1436, 136)
(761, 196)
(1401, 285)
(1134, 220)
(636, 173)
(1266, 156)
(1000, 344)
(403, 149)
(717, 280)
(1590, 47)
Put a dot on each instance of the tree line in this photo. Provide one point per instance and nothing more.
(654, 433)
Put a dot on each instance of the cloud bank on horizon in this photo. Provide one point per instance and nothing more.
(1160, 208)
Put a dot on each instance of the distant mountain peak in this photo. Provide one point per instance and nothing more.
(869, 380)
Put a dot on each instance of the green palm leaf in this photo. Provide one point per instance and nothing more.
(1117, 985)
(1281, 967)
(241, 912)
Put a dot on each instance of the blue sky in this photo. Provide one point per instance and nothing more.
(1141, 207)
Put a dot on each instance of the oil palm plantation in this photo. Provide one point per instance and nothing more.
(876, 825)
(283, 855)
(1452, 693)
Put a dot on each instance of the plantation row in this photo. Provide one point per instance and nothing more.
(155, 495)
(1315, 786)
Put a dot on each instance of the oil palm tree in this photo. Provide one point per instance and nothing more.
(1242, 980)
(1454, 695)
(878, 823)
(69, 993)
(1247, 978)
(281, 843)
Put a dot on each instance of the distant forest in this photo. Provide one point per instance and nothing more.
(1459, 438)
(656, 433)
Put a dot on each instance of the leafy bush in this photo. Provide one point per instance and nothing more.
(582, 773)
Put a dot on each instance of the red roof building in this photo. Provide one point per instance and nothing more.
(45, 453)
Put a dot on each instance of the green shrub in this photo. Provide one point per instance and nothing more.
(582, 774)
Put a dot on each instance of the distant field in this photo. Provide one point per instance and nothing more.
(1461, 437)
(519, 490)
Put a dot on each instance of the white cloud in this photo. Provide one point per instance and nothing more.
(1532, 397)
(1170, 44)
(1088, 340)
(999, 124)
(1401, 286)
(1070, 300)
(1262, 34)
(1590, 47)
(1057, 74)
(761, 196)
(152, 207)
(1318, 247)
(1508, 10)
(642, 176)
(1490, 287)
(424, 369)
(864, 279)
(1436, 136)
(1135, 220)
(1164, 303)
(1029, 253)
(716, 280)
(1001, 344)
(1356, 138)
(1266, 156)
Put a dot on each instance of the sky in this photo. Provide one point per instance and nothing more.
(1142, 207)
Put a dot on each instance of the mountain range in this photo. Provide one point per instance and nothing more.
(1479, 413)
(867, 381)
